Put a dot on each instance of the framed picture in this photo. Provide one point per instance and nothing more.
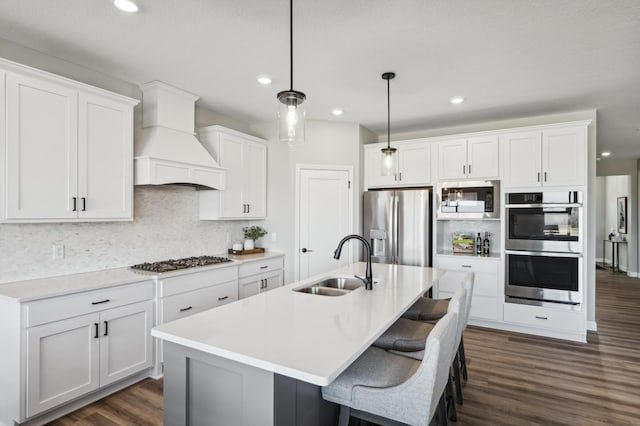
(622, 215)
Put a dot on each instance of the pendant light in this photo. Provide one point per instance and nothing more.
(291, 112)
(388, 153)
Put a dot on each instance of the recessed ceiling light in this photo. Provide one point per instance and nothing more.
(337, 111)
(457, 100)
(264, 80)
(126, 5)
(605, 153)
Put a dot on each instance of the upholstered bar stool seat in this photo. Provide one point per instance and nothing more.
(405, 335)
(426, 309)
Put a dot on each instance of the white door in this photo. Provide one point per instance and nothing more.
(105, 164)
(522, 160)
(414, 162)
(42, 144)
(563, 156)
(482, 157)
(62, 362)
(325, 216)
(373, 168)
(231, 149)
(125, 341)
(255, 184)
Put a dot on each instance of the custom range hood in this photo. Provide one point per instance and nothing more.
(166, 149)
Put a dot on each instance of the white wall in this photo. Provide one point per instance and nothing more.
(327, 143)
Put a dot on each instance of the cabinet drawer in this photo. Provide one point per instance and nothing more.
(542, 317)
(484, 284)
(469, 264)
(193, 281)
(482, 307)
(62, 307)
(189, 303)
(259, 266)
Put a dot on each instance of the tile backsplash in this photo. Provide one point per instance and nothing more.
(165, 225)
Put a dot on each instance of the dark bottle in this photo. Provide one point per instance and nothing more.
(486, 245)
(478, 245)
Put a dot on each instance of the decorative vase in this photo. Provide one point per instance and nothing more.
(249, 244)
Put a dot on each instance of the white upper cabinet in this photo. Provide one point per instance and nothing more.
(245, 159)
(553, 157)
(69, 151)
(475, 158)
(413, 167)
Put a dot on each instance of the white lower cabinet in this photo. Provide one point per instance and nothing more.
(260, 276)
(544, 317)
(485, 303)
(68, 358)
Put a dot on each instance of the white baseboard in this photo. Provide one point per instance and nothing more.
(633, 274)
(592, 326)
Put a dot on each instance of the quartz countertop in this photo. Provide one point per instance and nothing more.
(308, 337)
(41, 288)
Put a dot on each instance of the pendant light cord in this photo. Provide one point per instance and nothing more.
(388, 116)
(291, 41)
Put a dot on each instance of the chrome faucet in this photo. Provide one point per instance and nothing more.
(368, 279)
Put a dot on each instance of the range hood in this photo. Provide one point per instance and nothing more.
(166, 149)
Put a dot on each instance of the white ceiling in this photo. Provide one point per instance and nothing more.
(509, 58)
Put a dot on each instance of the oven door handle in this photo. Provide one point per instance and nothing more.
(542, 205)
(543, 253)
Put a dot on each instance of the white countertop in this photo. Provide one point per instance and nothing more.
(41, 288)
(308, 337)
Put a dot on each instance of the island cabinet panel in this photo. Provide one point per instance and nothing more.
(245, 159)
(69, 150)
(260, 276)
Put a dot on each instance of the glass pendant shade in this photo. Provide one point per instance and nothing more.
(388, 162)
(291, 117)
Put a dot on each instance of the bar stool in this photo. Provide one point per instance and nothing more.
(386, 388)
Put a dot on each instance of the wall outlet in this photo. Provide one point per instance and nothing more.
(58, 251)
(274, 236)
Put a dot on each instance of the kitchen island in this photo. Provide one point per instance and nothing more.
(262, 360)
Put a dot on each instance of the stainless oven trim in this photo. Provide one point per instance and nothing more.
(495, 184)
(543, 206)
(534, 295)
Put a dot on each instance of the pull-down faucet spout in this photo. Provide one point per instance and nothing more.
(368, 279)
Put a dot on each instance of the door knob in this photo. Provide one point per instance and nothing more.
(304, 250)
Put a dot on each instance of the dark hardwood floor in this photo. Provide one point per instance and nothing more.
(514, 379)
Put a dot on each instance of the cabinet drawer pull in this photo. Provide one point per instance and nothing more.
(106, 328)
(538, 176)
(186, 309)
(223, 298)
(469, 168)
(464, 169)
(248, 208)
(75, 204)
(545, 176)
(84, 204)
(400, 174)
(467, 266)
(96, 325)
(542, 318)
(100, 302)
(264, 267)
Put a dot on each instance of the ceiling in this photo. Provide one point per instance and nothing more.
(508, 58)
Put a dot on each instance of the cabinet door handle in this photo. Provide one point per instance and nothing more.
(542, 318)
(264, 267)
(467, 266)
(538, 176)
(106, 328)
(464, 169)
(188, 308)
(400, 176)
(101, 302)
(248, 208)
(96, 325)
(75, 204)
(545, 176)
(84, 204)
(469, 168)
(223, 298)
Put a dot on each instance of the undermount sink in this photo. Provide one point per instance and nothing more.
(333, 286)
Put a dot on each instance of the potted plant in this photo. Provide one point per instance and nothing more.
(251, 234)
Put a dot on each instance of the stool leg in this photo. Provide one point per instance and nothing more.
(463, 359)
(442, 411)
(457, 379)
(451, 405)
(345, 413)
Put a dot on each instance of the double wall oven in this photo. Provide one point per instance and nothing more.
(544, 248)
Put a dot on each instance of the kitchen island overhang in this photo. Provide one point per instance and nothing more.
(233, 362)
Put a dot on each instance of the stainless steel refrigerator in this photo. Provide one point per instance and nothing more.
(398, 224)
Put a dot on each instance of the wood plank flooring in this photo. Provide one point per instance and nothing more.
(514, 379)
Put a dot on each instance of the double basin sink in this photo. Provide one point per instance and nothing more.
(333, 286)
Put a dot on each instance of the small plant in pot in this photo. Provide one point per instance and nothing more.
(251, 234)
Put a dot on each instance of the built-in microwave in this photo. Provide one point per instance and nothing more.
(468, 200)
